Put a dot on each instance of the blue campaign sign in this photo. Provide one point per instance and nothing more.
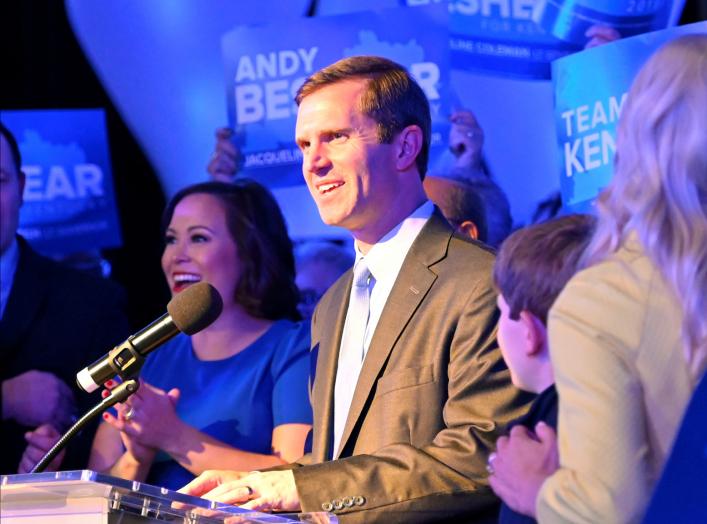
(503, 38)
(69, 204)
(265, 65)
(590, 90)
(569, 20)
(520, 38)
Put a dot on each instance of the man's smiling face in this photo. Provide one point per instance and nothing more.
(350, 174)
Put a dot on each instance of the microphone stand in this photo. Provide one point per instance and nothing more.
(118, 394)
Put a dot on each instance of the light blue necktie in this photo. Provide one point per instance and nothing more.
(352, 349)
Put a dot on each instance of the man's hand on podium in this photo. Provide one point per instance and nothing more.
(257, 490)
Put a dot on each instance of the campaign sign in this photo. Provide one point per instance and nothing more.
(265, 65)
(569, 20)
(590, 90)
(520, 38)
(502, 38)
(69, 204)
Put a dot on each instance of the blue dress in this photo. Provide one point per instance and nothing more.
(237, 400)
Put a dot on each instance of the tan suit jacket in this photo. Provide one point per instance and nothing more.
(623, 385)
(430, 399)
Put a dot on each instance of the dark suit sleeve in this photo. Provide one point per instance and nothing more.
(57, 320)
(444, 478)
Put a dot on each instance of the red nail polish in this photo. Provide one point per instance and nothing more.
(105, 416)
(109, 383)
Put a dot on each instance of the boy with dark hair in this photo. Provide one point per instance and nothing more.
(532, 267)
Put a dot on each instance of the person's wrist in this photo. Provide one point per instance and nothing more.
(536, 485)
(142, 458)
(176, 442)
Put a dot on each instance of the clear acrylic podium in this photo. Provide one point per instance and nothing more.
(87, 497)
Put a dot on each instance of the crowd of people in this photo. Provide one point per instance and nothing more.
(437, 379)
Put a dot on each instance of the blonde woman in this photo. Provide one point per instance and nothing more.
(628, 335)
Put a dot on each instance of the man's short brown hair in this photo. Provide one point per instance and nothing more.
(535, 263)
(392, 97)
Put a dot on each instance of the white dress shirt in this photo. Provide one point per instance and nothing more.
(385, 260)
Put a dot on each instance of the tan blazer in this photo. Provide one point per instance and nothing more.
(623, 385)
(430, 400)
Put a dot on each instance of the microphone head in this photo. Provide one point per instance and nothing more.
(195, 308)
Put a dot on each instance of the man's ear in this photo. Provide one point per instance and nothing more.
(21, 179)
(409, 145)
(469, 229)
(536, 333)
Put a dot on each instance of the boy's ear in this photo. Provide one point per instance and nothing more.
(536, 333)
(469, 229)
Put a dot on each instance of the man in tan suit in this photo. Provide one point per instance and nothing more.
(402, 430)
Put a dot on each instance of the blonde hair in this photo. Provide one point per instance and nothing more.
(659, 189)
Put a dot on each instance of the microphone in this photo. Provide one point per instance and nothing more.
(188, 312)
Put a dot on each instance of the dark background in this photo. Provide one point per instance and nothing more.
(43, 67)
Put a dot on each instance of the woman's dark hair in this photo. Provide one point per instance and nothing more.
(266, 288)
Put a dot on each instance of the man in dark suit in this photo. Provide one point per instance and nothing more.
(403, 427)
(53, 322)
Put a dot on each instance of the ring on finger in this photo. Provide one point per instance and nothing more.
(129, 414)
(489, 464)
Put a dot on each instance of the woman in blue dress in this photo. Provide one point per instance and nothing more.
(234, 395)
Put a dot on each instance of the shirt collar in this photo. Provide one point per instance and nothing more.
(386, 257)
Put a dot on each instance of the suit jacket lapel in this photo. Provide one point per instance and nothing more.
(331, 316)
(25, 299)
(413, 282)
